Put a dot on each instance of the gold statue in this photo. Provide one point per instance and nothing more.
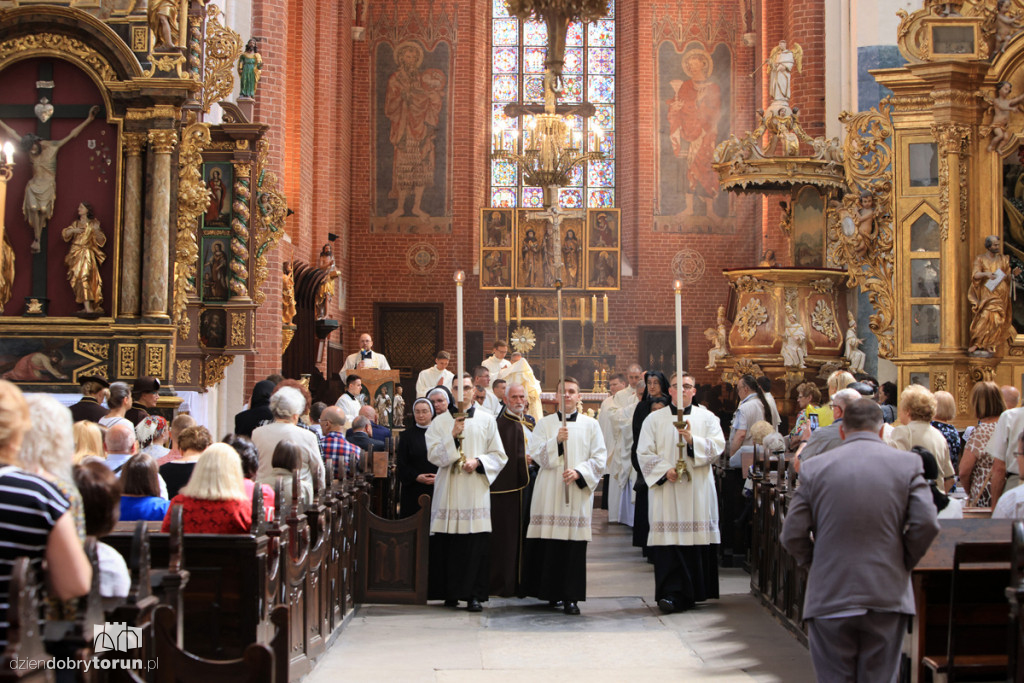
(326, 291)
(1000, 106)
(991, 285)
(85, 257)
(163, 23)
(287, 295)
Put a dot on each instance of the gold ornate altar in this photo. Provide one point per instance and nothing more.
(186, 209)
(773, 306)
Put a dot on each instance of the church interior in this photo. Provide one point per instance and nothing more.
(206, 194)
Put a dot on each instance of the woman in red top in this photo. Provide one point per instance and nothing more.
(214, 500)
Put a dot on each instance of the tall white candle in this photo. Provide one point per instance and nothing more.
(460, 277)
(678, 284)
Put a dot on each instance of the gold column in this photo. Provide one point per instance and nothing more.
(156, 250)
(131, 252)
(953, 140)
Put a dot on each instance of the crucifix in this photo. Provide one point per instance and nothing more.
(41, 190)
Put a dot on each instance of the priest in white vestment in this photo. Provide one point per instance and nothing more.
(571, 459)
(683, 512)
(497, 362)
(351, 400)
(460, 512)
(438, 375)
(613, 421)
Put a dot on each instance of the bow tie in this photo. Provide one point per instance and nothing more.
(366, 354)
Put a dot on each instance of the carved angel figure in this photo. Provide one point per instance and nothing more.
(719, 339)
(858, 222)
(1007, 24)
(1001, 105)
(781, 63)
(853, 344)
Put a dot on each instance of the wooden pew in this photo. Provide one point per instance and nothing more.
(24, 639)
(1015, 595)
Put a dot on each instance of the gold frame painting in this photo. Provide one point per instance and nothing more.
(497, 256)
(534, 274)
(604, 249)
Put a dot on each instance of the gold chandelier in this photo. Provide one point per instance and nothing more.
(551, 149)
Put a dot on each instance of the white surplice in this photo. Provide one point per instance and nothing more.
(462, 501)
(428, 378)
(613, 423)
(495, 366)
(585, 452)
(682, 512)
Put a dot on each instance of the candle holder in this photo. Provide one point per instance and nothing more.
(461, 415)
(583, 337)
(681, 469)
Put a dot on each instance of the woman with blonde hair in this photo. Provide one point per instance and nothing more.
(945, 413)
(214, 500)
(88, 438)
(976, 463)
(34, 516)
(916, 410)
(48, 449)
(840, 379)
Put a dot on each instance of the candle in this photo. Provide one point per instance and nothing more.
(583, 310)
(597, 137)
(678, 284)
(460, 277)
(9, 152)
(606, 309)
(495, 309)
(508, 308)
(519, 309)
(593, 310)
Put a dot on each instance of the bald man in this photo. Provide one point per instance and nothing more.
(365, 357)
(1010, 396)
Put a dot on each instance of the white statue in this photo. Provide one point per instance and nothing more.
(719, 340)
(794, 341)
(781, 62)
(853, 343)
(398, 408)
(383, 407)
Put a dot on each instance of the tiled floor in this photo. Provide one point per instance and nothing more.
(621, 635)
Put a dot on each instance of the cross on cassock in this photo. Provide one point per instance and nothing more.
(37, 301)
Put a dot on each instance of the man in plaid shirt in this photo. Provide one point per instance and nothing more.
(336, 449)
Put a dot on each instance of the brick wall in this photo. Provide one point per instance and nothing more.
(318, 95)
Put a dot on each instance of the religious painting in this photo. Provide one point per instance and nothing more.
(39, 361)
(536, 252)
(694, 97)
(213, 328)
(809, 229)
(1013, 230)
(658, 349)
(218, 176)
(412, 102)
(497, 231)
(74, 158)
(603, 249)
(545, 307)
(216, 268)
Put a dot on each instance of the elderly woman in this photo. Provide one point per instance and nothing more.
(214, 500)
(976, 463)
(193, 441)
(413, 469)
(35, 517)
(840, 379)
(153, 434)
(48, 450)
(916, 410)
(88, 441)
(287, 404)
(119, 402)
(945, 413)
(140, 490)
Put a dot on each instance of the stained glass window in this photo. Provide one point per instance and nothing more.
(517, 66)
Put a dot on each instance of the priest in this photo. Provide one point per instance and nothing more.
(460, 512)
(507, 494)
(612, 421)
(571, 458)
(436, 376)
(496, 362)
(683, 504)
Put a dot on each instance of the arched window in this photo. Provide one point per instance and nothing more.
(518, 51)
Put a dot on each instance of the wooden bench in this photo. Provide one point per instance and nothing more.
(25, 654)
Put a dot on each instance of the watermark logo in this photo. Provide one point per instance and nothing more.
(117, 637)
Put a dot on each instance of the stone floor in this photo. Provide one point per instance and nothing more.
(621, 635)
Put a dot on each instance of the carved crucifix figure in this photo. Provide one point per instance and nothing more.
(41, 191)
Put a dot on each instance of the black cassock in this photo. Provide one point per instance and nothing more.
(508, 514)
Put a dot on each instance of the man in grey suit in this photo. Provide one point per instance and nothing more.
(873, 518)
